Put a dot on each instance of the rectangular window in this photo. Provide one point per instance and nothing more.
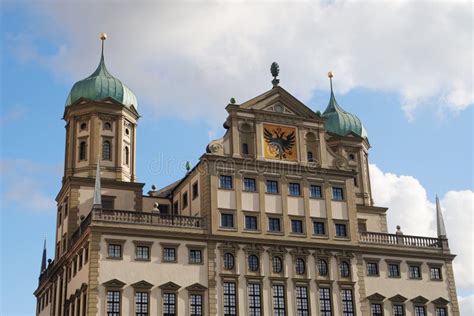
(376, 309)
(169, 254)
(319, 228)
(195, 256)
(372, 268)
(337, 194)
(279, 308)
(245, 149)
(113, 303)
(341, 230)
(142, 253)
(325, 301)
(195, 305)
(185, 200)
(294, 189)
(255, 299)
(315, 191)
(175, 207)
(435, 273)
(114, 251)
(251, 222)
(441, 311)
(225, 182)
(393, 270)
(302, 305)
(230, 299)
(169, 304)
(414, 272)
(195, 190)
(347, 302)
(272, 186)
(250, 185)
(296, 226)
(310, 156)
(398, 310)
(141, 303)
(420, 311)
(274, 224)
(227, 220)
(108, 202)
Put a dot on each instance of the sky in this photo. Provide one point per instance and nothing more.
(405, 68)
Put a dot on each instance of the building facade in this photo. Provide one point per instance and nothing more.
(277, 218)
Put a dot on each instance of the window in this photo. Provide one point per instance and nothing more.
(107, 126)
(141, 303)
(322, 267)
(225, 182)
(441, 311)
(435, 273)
(325, 301)
(372, 268)
(319, 228)
(230, 299)
(393, 270)
(83, 151)
(279, 308)
(297, 226)
(114, 251)
(127, 155)
(169, 304)
(108, 202)
(347, 304)
(274, 224)
(127, 131)
(175, 207)
(245, 149)
(272, 186)
(83, 126)
(300, 266)
(420, 311)
(253, 263)
(195, 256)
(341, 230)
(255, 301)
(315, 191)
(398, 310)
(376, 309)
(345, 269)
(169, 254)
(195, 305)
(251, 222)
(228, 261)
(302, 306)
(227, 220)
(185, 200)
(310, 156)
(195, 190)
(142, 253)
(250, 185)
(294, 189)
(414, 272)
(106, 150)
(113, 303)
(362, 227)
(277, 264)
(337, 194)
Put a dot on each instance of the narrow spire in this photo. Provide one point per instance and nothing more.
(332, 105)
(97, 191)
(330, 75)
(103, 37)
(43, 259)
(441, 229)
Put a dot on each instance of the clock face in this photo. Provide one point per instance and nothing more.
(280, 142)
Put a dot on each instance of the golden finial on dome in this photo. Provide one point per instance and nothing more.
(330, 74)
(103, 36)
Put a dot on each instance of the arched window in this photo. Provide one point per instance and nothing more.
(323, 267)
(82, 151)
(107, 126)
(228, 261)
(277, 264)
(253, 263)
(106, 150)
(345, 270)
(300, 266)
(127, 155)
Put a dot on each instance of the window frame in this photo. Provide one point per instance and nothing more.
(376, 313)
(321, 192)
(346, 300)
(232, 297)
(339, 223)
(142, 244)
(226, 182)
(226, 214)
(299, 301)
(277, 258)
(267, 186)
(116, 243)
(294, 220)
(168, 304)
(225, 256)
(415, 265)
(106, 153)
(325, 300)
(335, 196)
(253, 266)
(345, 263)
(372, 263)
(169, 246)
(324, 226)
(119, 302)
(195, 190)
(199, 248)
(269, 230)
(279, 296)
(192, 311)
(292, 192)
(184, 200)
(254, 301)
(298, 261)
(146, 293)
(253, 217)
(393, 263)
(439, 267)
(246, 188)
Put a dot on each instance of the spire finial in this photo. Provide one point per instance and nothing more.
(275, 70)
(440, 228)
(330, 75)
(103, 37)
(97, 203)
(43, 259)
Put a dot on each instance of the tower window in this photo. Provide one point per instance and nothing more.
(106, 150)
(83, 126)
(83, 151)
(107, 126)
(310, 156)
(127, 155)
(245, 149)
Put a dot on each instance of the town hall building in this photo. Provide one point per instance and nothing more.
(276, 218)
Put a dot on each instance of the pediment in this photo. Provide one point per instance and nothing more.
(398, 298)
(142, 285)
(170, 286)
(440, 301)
(229, 246)
(196, 287)
(278, 107)
(114, 283)
(376, 297)
(420, 300)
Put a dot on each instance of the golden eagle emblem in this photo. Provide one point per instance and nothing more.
(280, 142)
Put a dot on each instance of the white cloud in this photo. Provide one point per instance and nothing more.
(410, 208)
(189, 58)
(466, 305)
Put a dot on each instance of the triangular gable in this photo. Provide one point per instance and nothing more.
(398, 298)
(170, 286)
(440, 301)
(196, 287)
(142, 285)
(376, 297)
(420, 300)
(114, 283)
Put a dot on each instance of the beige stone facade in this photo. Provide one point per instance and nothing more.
(241, 233)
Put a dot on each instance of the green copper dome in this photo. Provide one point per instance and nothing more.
(100, 85)
(341, 122)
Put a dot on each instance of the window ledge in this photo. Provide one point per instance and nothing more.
(252, 231)
(115, 258)
(275, 233)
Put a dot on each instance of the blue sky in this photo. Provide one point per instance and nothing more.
(424, 134)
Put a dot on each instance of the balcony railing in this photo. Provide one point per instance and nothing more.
(403, 240)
